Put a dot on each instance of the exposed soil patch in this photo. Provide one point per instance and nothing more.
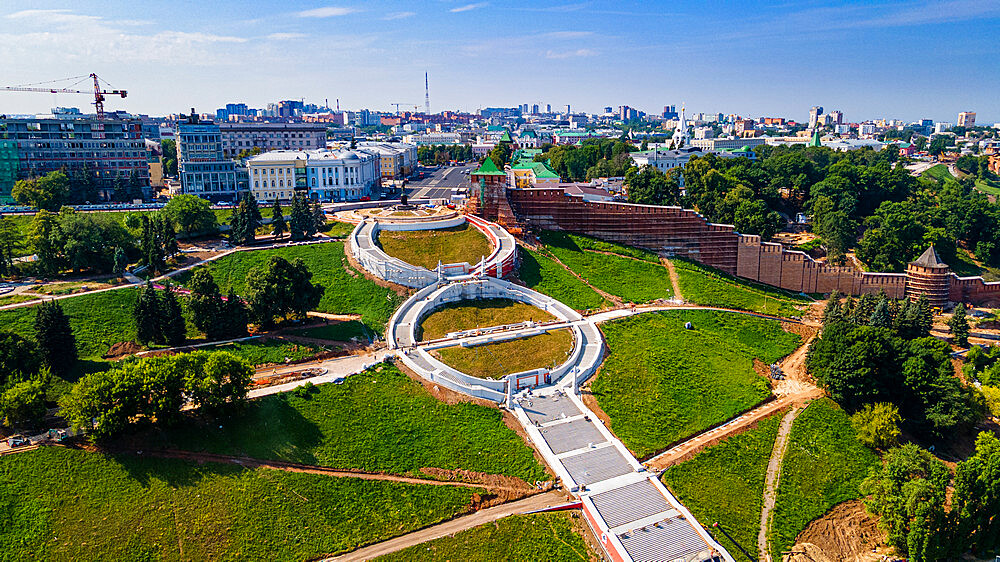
(123, 349)
(845, 533)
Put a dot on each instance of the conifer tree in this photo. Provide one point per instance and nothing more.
(832, 311)
(278, 224)
(146, 316)
(925, 317)
(205, 304)
(173, 331)
(237, 223)
(252, 218)
(318, 216)
(236, 316)
(880, 317)
(54, 335)
(121, 261)
(299, 219)
(959, 325)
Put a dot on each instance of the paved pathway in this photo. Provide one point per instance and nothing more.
(337, 368)
(450, 528)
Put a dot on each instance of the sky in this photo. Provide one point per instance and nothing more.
(909, 59)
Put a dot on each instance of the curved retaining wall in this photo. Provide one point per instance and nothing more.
(588, 344)
(501, 261)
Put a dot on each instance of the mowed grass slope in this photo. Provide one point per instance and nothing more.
(379, 420)
(545, 536)
(346, 291)
(544, 275)
(62, 504)
(263, 351)
(480, 313)
(823, 466)
(496, 360)
(628, 273)
(424, 248)
(709, 287)
(661, 383)
(725, 484)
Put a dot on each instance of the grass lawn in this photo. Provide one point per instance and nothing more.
(424, 248)
(346, 290)
(939, 172)
(823, 466)
(661, 382)
(15, 299)
(548, 277)
(633, 279)
(544, 536)
(337, 331)
(380, 420)
(337, 229)
(62, 504)
(709, 287)
(964, 265)
(725, 484)
(496, 360)
(481, 313)
(989, 188)
(261, 352)
(99, 320)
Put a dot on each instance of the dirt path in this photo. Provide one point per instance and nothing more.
(771, 481)
(796, 390)
(674, 280)
(502, 483)
(607, 296)
(451, 527)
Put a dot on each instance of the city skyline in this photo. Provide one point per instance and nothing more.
(877, 60)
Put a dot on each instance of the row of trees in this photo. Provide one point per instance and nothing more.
(26, 365)
(879, 350)
(594, 158)
(158, 317)
(153, 390)
(443, 153)
(305, 219)
(909, 495)
(55, 189)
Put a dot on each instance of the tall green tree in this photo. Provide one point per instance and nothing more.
(54, 335)
(146, 315)
(190, 214)
(11, 242)
(299, 219)
(23, 402)
(49, 192)
(977, 497)
(121, 262)
(281, 289)
(235, 317)
(206, 305)
(318, 217)
(278, 224)
(46, 240)
(959, 325)
(19, 359)
(173, 330)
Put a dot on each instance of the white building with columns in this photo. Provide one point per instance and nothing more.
(326, 175)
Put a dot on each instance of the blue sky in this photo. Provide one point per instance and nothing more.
(903, 59)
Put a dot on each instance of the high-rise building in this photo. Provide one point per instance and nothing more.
(568, 109)
(534, 109)
(837, 117)
(107, 149)
(814, 115)
(967, 119)
(548, 108)
(669, 112)
(202, 166)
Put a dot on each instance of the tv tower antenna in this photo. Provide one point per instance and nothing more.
(427, 96)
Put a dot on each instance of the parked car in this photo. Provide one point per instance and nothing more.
(17, 441)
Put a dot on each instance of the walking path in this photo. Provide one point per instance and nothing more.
(337, 369)
(771, 481)
(449, 528)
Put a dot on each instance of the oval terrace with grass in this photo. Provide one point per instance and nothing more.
(633, 515)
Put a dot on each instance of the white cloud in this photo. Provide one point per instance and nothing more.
(570, 54)
(468, 7)
(327, 12)
(399, 15)
(285, 36)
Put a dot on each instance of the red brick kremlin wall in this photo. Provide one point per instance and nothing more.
(684, 232)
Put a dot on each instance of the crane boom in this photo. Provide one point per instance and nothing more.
(99, 94)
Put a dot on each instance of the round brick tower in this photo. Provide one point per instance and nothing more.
(928, 276)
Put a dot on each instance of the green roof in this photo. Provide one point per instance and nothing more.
(528, 134)
(488, 168)
(815, 139)
(540, 168)
(495, 128)
(505, 137)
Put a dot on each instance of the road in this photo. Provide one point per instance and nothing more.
(453, 526)
(439, 182)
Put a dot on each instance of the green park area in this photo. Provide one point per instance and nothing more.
(824, 464)
(631, 274)
(496, 360)
(551, 537)
(348, 330)
(63, 504)
(346, 291)
(939, 172)
(661, 382)
(258, 352)
(380, 420)
(544, 275)
(425, 248)
(710, 287)
(481, 313)
(724, 484)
